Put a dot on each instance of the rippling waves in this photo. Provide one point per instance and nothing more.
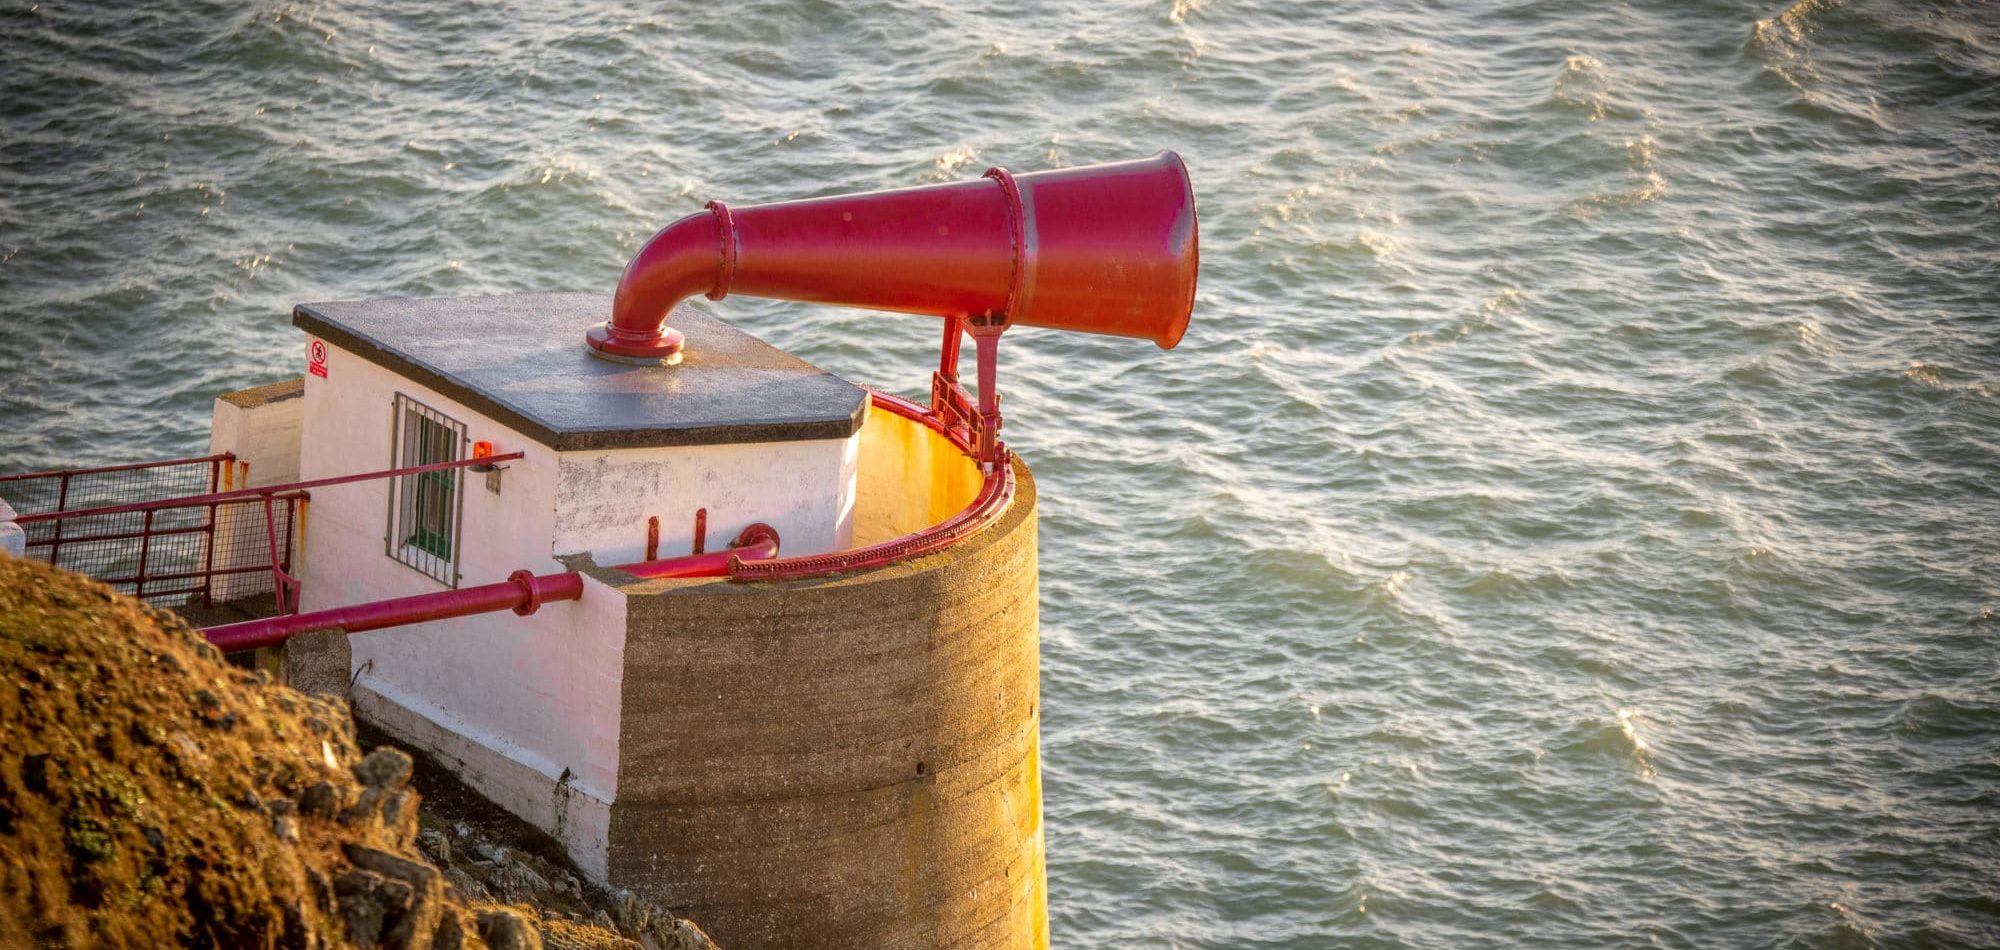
(1570, 521)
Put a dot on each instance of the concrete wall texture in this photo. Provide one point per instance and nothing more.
(908, 478)
(261, 426)
(844, 762)
(804, 489)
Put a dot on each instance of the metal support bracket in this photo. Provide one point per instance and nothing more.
(974, 424)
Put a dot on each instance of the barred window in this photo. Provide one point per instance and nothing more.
(424, 507)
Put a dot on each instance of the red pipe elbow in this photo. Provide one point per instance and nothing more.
(690, 256)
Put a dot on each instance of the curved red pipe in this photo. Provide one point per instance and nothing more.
(996, 493)
(684, 258)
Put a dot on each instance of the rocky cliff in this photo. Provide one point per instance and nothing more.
(153, 795)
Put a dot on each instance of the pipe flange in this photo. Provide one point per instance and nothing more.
(660, 348)
(756, 533)
(725, 233)
(1017, 223)
(531, 592)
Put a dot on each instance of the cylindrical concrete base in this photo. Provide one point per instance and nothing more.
(843, 762)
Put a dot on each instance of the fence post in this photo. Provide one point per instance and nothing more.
(208, 557)
(62, 504)
(145, 547)
(278, 574)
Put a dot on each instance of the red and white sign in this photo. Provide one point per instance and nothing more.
(317, 364)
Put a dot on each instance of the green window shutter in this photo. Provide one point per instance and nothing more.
(433, 521)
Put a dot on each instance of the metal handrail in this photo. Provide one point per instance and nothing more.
(163, 504)
(996, 494)
(127, 467)
(267, 491)
(285, 586)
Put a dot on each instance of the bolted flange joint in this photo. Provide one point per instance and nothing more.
(660, 346)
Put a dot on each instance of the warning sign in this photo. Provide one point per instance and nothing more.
(316, 363)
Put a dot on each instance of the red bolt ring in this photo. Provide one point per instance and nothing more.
(530, 589)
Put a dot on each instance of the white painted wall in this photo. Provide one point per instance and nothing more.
(524, 709)
(529, 707)
(264, 436)
(803, 489)
(265, 440)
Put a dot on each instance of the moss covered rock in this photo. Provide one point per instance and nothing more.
(153, 795)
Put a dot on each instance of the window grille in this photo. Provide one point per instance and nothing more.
(424, 508)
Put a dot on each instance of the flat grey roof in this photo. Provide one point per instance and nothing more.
(521, 360)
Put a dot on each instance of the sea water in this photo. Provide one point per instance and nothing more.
(1570, 520)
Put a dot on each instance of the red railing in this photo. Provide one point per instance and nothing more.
(155, 555)
(523, 592)
(65, 490)
(179, 551)
(202, 549)
(996, 493)
(39, 492)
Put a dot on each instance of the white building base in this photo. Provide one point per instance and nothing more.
(535, 789)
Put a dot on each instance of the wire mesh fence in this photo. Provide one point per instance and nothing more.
(176, 554)
(155, 532)
(214, 548)
(34, 493)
